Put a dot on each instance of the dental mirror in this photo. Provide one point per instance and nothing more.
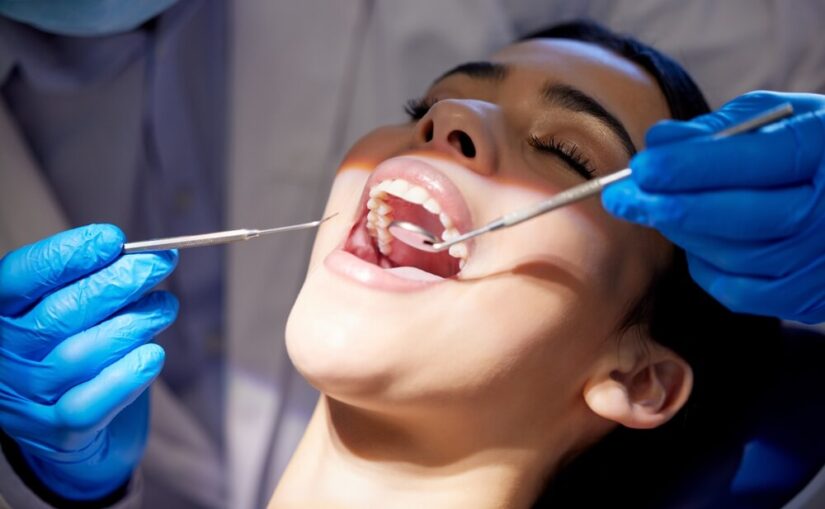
(414, 236)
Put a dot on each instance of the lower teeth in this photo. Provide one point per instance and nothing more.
(414, 273)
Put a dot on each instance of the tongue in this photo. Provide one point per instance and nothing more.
(440, 264)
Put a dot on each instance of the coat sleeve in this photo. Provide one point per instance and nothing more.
(15, 493)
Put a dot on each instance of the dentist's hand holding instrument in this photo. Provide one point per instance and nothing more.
(749, 210)
(76, 319)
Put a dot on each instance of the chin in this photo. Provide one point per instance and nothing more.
(336, 350)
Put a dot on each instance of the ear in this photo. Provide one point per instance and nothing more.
(642, 387)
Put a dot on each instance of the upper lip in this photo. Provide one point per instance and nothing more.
(423, 172)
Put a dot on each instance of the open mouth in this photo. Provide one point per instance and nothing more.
(409, 189)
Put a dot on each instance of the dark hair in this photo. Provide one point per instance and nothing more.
(727, 351)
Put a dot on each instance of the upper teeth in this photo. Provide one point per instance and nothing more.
(380, 214)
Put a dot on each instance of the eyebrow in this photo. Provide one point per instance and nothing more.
(573, 99)
(481, 70)
(556, 94)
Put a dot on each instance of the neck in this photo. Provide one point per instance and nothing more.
(352, 458)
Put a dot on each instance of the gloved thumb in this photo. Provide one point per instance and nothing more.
(669, 131)
(733, 112)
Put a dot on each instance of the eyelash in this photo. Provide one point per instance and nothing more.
(417, 108)
(569, 153)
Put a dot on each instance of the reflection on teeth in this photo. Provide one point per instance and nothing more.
(383, 222)
(417, 195)
(380, 215)
(432, 207)
(458, 250)
(449, 233)
(383, 209)
(398, 188)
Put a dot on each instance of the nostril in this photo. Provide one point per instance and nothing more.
(463, 142)
(428, 132)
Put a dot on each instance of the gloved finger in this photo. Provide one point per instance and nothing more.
(129, 430)
(759, 259)
(106, 462)
(738, 110)
(795, 297)
(781, 155)
(83, 356)
(87, 408)
(84, 303)
(28, 273)
(741, 214)
(71, 424)
(671, 131)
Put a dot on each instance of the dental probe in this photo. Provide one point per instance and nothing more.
(212, 239)
(420, 238)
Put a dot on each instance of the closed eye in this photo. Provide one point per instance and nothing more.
(568, 152)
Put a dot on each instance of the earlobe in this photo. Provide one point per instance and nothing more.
(644, 393)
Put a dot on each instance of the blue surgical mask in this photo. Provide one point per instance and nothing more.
(83, 17)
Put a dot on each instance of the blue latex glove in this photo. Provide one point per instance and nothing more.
(749, 210)
(75, 322)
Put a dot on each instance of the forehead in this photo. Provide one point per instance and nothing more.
(621, 86)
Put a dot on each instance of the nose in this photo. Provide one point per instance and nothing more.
(463, 129)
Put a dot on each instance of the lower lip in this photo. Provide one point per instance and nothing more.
(355, 269)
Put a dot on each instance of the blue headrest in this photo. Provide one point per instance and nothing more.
(783, 446)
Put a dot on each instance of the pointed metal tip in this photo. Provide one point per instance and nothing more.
(328, 217)
(302, 226)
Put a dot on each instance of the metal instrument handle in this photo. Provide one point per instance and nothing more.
(205, 239)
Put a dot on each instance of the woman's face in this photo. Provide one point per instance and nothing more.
(516, 320)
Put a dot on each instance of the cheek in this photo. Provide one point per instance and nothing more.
(523, 329)
(573, 246)
(636, 254)
(536, 307)
(378, 145)
(596, 264)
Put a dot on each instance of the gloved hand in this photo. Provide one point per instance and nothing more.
(749, 210)
(75, 357)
